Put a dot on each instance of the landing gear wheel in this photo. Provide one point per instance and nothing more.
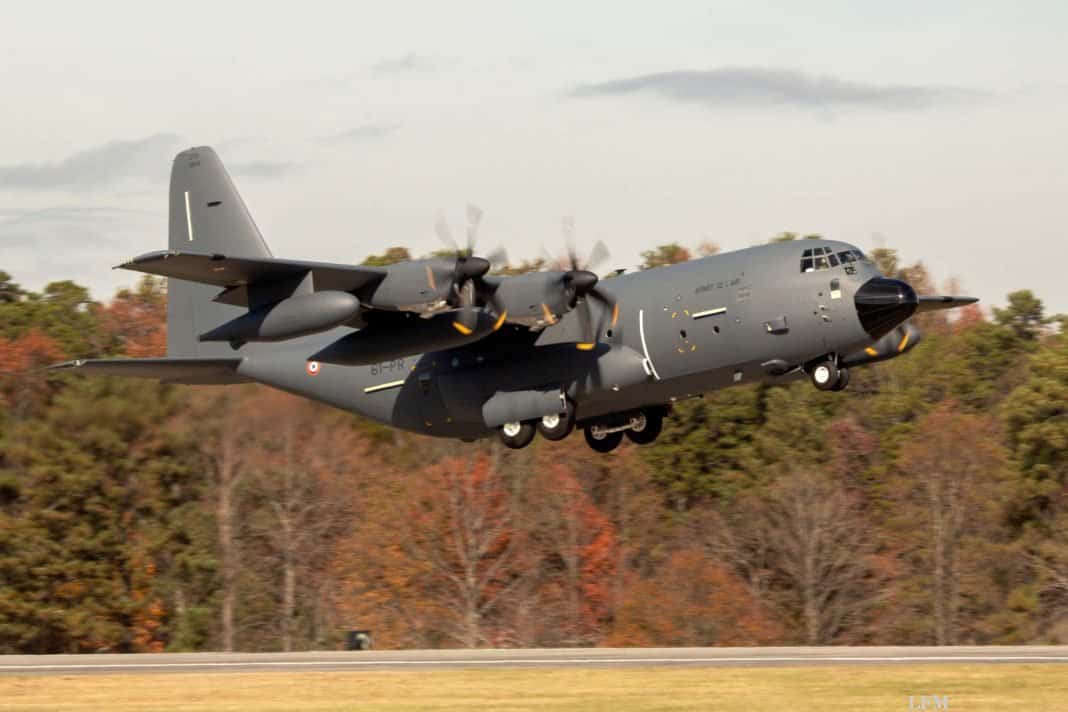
(825, 375)
(601, 441)
(843, 380)
(516, 435)
(650, 423)
(557, 426)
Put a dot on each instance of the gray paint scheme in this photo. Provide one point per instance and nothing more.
(739, 317)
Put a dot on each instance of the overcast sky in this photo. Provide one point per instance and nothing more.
(935, 128)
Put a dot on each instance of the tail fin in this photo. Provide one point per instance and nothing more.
(207, 216)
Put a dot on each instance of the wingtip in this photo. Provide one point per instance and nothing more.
(146, 257)
(65, 365)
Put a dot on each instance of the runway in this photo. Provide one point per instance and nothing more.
(326, 661)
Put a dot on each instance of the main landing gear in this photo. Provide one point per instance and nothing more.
(517, 435)
(641, 427)
(827, 376)
(555, 426)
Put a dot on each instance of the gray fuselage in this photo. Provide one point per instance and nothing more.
(683, 330)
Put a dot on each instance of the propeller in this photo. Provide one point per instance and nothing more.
(468, 285)
(580, 284)
(894, 343)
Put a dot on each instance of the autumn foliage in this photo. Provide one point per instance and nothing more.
(928, 504)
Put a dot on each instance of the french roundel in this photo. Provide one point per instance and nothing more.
(312, 367)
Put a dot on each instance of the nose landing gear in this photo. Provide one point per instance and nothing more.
(827, 376)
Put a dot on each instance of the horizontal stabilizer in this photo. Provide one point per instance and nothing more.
(239, 272)
(196, 371)
(933, 303)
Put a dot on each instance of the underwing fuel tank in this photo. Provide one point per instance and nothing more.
(398, 338)
(289, 318)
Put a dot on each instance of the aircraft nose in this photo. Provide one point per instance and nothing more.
(884, 303)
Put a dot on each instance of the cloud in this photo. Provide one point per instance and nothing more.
(263, 169)
(761, 88)
(101, 166)
(405, 64)
(367, 132)
(76, 241)
(64, 225)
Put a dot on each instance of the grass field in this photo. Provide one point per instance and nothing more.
(874, 688)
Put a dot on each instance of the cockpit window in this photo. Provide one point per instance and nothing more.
(817, 258)
(821, 258)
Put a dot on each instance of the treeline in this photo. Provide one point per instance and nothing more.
(927, 504)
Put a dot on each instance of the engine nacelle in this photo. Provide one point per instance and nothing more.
(289, 318)
(420, 286)
(396, 338)
(535, 299)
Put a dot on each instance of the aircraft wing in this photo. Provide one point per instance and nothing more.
(935, 303)
(196, 371)
(236, 273)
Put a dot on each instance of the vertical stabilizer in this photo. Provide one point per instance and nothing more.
(207, 216)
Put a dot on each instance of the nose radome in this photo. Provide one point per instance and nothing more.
(884, 303)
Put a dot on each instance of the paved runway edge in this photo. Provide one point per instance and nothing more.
(320, 661)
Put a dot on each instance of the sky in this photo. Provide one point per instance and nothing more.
(937, 129)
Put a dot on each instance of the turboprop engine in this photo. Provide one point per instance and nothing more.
(289, 318)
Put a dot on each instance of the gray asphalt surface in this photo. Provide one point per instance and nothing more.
(529, 658)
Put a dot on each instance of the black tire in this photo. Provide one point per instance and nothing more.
(654, 423)
(608, 443)
(843, 380)
(825, 375)
(565, 422)
(516, 435)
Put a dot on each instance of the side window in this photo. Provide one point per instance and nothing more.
(821, 263)
(807, 265)
(834, 261)
(836, 289)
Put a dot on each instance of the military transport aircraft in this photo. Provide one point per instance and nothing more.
(442, 347)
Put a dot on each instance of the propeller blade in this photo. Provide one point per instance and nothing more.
(598, 256)
(567, 227)
(474, 219)
(444, 233)
(498, 257)
(547, 258)
(611, 309)
(589, 338)
(466, 318)
(488, 294)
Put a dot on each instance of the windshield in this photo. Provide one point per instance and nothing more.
(820, 258)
